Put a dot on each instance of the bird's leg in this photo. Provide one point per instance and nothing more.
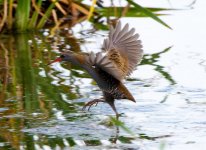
(91, 103)
(114, 140)
(111, 103)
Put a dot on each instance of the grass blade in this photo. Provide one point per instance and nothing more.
(148, 13)
(92, 9)
(10, 17)
(4, 16)
(35, 15)
(22, 14)
(46, 16)
(130, 11)
(122, 125)
(80, 8)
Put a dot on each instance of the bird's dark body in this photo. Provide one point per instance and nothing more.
(121, 52)
(111, 87)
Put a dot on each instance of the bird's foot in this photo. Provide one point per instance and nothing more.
(91, 103)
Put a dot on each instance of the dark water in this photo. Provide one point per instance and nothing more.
(40, 105)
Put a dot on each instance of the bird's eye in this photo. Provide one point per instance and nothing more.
(62, 56)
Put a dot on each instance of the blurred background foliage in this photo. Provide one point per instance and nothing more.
(29, 15)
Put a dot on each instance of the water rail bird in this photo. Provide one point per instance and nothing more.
(121, 52)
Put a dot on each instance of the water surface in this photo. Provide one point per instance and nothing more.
(40, 105)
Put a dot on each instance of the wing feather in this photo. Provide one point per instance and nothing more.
(126, 43)
(101, 61)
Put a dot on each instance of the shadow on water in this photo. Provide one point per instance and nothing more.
(37, 111)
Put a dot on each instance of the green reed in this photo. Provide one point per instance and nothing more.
(28, 15)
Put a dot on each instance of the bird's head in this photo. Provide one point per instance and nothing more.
(63, 57)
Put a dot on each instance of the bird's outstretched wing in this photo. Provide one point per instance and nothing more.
(123, 48)
(102, 61)
(121, 52)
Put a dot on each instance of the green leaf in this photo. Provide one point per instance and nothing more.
(122, 125)
(47, 14)
(92, 7)
(35, 15)
(22, 15)
(131, 13)
(148, 13)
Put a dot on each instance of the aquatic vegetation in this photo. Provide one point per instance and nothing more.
(29, 15)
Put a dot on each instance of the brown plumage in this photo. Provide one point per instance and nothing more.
(121, 52)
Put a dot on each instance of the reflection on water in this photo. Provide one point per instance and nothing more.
(43, 103)
(152, 59)
(40, 105)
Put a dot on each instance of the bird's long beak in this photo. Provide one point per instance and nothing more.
(56, 60)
